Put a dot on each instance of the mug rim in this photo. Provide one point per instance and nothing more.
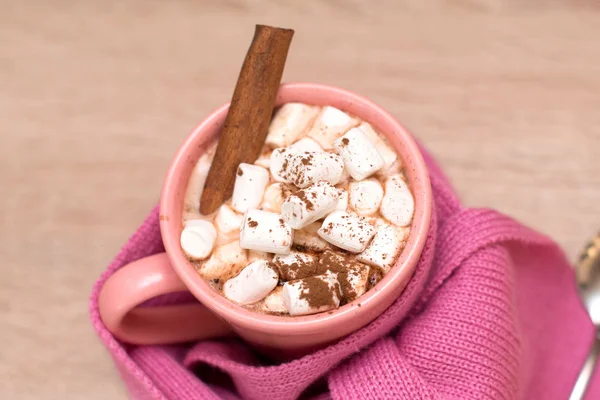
(309, 324)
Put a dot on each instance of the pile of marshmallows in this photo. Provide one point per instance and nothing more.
(315, 150)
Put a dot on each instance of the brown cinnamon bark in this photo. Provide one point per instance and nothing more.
(247, 122)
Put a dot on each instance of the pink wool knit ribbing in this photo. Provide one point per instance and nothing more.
(490, 313)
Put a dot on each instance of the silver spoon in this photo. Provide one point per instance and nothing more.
(587, 274)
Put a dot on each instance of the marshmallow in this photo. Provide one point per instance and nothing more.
(228, 224)
(345, 176)
(198, 238)
(347, 231)
(381, 144)
(274, 197)
(252, 284)
(310, 204)
(223, 238)
(330, 124)
(250, 183)
(306, 144)
(352, 276)
(309, 239)
(265, 231)
(365, 196)
(385, 247)
(196, 222)
(304, 169)
(228, 221)
(273, 303)
(354, 281)
(398, 205)
(394, 169)
(295, 265)
(342, 204)
(254, 255)
(279, 163)
(311, 295)
(289, 122)
(360, 156)
(264, 160)
(225, 261)
(191, 204)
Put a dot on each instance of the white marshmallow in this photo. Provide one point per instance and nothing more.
(347, 231)
(250, 183)
(191, 205)
(305, 168)
(264, 160)
(274, 197)
(383, 147)
(279, 163)
(281, 157)
(360, 156)
(196, 222)
(225, 261)
(345, 176)
(383, 250)
(289, 122)
(254, 255)
(309, 238)
(330, 124)
(295, 291)
(394, 169)
(265, 231)
(273, 303)
(398, 204)
(295, 265)
(365, 196)
(198, 238)
(252, 284)
(342, 204)
(310, 204)
(228, 221)
(228, 224)
(223, 238)
(306, 144)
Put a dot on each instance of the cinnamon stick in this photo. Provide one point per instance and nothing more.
(247, 122)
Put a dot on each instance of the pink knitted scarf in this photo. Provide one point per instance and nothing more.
(491, 313)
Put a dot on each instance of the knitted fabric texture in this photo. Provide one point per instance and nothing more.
(490, 313)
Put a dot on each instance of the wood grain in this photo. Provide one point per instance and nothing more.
(95, 97)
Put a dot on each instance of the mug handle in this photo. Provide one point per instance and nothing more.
(143, 280)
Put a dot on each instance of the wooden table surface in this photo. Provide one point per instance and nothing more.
(95, 97)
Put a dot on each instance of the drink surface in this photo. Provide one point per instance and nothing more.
(314, 223)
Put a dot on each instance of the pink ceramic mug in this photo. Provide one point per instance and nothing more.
(215, 316)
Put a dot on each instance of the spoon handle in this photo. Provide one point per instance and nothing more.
(586, 371)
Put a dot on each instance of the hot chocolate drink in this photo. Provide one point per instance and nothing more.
(314, 223)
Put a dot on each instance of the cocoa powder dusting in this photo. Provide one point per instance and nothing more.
(252, 223)
(301, 194)
(331, 261)
(317, 293)
(345, 267)
(284, 167)
(298, 269)
(240, 172)
(306, 160)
